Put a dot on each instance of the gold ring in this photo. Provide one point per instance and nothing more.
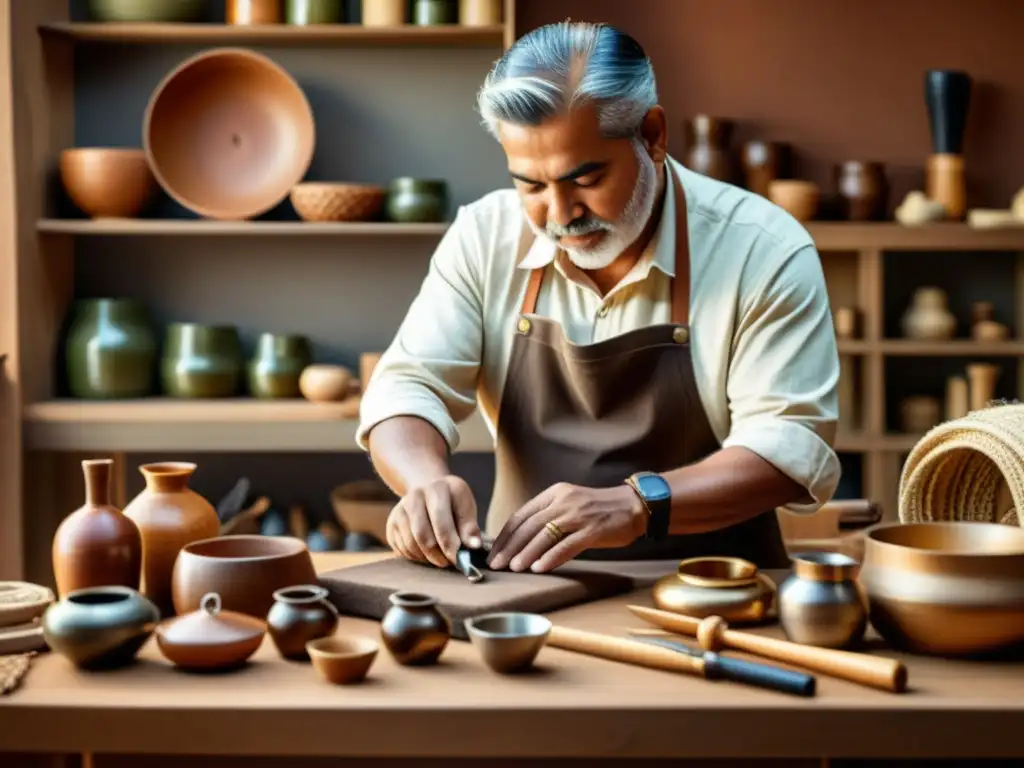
(554, 531)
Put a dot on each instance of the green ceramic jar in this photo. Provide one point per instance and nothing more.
(430, 12)
(148, 10)
(417, 201)
(110, 350)
(201, 361)
(279, 361)
(304, 12)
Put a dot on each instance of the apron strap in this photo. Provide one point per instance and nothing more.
(680, 285)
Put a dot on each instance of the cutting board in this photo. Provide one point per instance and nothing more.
(363, 590)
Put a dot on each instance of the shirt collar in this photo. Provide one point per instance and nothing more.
(660, 252)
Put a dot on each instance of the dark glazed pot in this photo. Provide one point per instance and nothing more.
(277, 365)
(299, 615)
(431, 12)
(412, 201)
(100, 627)
(414, 630)
(708, 148)
(863, 190)
(948, 97)
(201, 361)
(303, 12)
(110, 350)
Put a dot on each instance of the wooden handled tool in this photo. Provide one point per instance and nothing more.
(713, 634)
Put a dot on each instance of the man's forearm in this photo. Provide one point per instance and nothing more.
(728, 487)
(408, 452)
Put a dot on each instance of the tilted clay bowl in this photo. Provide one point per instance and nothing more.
(107, 182)
(799, 199)
(229, 133)
(244, 570)
(342, 660)
(946, 588)
(717, 586)
(321, 201)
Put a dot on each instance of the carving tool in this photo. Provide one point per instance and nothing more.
(713, 634)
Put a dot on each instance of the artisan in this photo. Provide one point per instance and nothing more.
(652, 349)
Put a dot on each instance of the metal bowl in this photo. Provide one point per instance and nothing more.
(508, 642)
(951, 589)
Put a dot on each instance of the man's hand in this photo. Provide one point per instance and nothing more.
(586, 517)
(433, 521)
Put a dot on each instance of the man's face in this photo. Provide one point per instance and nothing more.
(590, 195)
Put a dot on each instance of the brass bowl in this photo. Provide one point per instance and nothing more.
(717, 586)
(947, 589)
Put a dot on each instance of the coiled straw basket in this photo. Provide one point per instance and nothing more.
(968, 469)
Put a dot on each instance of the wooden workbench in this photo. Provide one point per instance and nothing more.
(571, 706)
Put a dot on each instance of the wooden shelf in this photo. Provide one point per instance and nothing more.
(953, 348)
(204, 227)
(244, 425)
(889, 236)
(452, 35)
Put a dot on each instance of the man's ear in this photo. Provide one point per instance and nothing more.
(654, 134)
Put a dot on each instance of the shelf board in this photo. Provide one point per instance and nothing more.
(243, 425)
(891, 236)
(952, 348)
(204, 227)
(449, 35)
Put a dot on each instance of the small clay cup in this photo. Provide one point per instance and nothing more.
(414, 630)
(300, 615)
(342, 660)
(798, 198)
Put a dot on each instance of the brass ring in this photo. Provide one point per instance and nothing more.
(554, 531)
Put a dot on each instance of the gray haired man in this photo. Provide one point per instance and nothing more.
(652, 350)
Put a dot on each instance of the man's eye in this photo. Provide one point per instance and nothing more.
(588, 181)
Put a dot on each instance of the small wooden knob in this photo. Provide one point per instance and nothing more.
(710, 633)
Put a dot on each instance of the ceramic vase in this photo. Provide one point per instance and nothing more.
(414, 630)
(252, 11)
(110, 350)
(764, 162)
(708, 147)
(169, 515)
(276, 367)
(863, 190)
(100, 627)
(982, 378)
(428, 13)
(928, 317)
(96, 545)
(417, 201)
(299, 615)
(302, 12)
(201, 361)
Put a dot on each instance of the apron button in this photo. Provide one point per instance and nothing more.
(680, 335)
(523, 325)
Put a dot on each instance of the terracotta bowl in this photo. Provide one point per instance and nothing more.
(316, 201)
(229, 133)
(107, 182)
(244, 570)
(342, 660)
(799, 198)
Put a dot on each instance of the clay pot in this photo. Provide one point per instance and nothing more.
(100, 627)
(104, 182)
(169, 515)
(110, 351)
(863, 189)
(989, 330)
(277, 365)
(928, 318)
(252, 11)
(798, 198)
(244, 570)
(417, 201)
(707, 148)
(414, 630)
(428, 13)
(96, 545)
(147, 10)
(325, 383)
(210, 638)
(303, 12)
(300, 615)
(479, 13)
(201, 361)
(764, 162)
(384, 13)
(228, 133)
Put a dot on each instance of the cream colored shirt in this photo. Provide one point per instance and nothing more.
(762, 341)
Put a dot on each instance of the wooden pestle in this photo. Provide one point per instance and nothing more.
(624, 650)
(713, 634)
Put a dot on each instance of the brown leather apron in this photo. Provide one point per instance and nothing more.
(594, 414)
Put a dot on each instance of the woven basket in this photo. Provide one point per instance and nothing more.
(315, 201)
(956, 471)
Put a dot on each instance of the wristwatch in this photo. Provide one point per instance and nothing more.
(656, 494)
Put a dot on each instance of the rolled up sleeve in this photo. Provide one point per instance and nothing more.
(783, 378)
(430, 370)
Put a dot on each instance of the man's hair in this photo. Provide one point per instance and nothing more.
(561, 66)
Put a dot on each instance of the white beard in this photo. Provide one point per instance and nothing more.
(621, 234)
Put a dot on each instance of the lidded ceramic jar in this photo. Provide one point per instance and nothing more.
(110, 351)
(412, 201)
(275, 369)
(299, 615)
(414, 630)
(210, 638)
(928, 317)
(201, 361)
(820, 603)
(169, 515)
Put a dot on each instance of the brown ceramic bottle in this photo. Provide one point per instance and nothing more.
(169, 515)
(708, 149)
(96, 545)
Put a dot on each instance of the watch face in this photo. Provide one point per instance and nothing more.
(653, 487)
